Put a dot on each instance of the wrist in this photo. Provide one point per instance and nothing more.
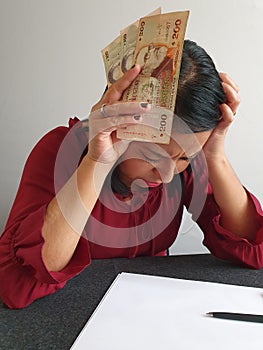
(91, 164)
(94, 170)
(92, 160)
(218, 169)
(216, 160)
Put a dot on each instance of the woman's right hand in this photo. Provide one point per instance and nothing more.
(108, 115)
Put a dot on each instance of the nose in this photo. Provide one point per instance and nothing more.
(166, 168)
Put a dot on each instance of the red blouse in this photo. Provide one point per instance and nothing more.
(146, 226)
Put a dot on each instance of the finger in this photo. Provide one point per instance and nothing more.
(226, 79)
(120, 146)
(112, 123)
(126, 108)
(120, 109)
(116, 90)
(232, 97)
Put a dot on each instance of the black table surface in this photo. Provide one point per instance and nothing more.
(53, 322)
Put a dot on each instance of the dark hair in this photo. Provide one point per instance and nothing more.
(199, 95)
(199, 89)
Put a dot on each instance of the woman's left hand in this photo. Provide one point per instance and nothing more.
(214, 147)
(237, 211)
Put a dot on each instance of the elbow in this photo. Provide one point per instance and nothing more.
(14, 303)
(19, 288)
(252, 256)
(255, 265)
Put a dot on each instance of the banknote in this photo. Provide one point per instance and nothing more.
(111, 58)
(128, 42)
(155, 127)
(158, 51)
(118, 55)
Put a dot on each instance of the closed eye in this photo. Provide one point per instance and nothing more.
(189, 159)
(186, 159)
(151, 160)
(156, 160)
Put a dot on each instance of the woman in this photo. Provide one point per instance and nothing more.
(125, 199)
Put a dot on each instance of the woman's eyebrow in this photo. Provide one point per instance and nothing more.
(165, 154)
(155, 153)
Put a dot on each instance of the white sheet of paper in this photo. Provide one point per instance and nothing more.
(150, 312)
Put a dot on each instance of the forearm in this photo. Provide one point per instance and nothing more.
(238, 214)
(68, 212)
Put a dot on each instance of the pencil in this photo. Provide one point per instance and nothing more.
(236, 316)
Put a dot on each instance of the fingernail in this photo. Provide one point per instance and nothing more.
(137, 117)
(144, 104)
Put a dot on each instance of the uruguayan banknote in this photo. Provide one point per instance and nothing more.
(158, 50)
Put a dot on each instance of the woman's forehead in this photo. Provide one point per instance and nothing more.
(187, 144)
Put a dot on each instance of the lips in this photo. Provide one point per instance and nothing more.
(153, 184)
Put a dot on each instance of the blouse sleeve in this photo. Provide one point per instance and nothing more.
(199, 200)
(23, 274)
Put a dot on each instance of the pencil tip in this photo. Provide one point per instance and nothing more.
(209, 314)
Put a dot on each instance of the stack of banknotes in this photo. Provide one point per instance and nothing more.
(155, 42)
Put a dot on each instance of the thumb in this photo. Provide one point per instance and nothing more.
(116, 90)
(121, 146)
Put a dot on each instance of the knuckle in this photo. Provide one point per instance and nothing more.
(237, 99)
(94, 107)
(222, 75)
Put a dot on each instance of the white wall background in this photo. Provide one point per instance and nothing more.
(51, 68)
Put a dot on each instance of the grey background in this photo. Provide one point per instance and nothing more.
(51, 68)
